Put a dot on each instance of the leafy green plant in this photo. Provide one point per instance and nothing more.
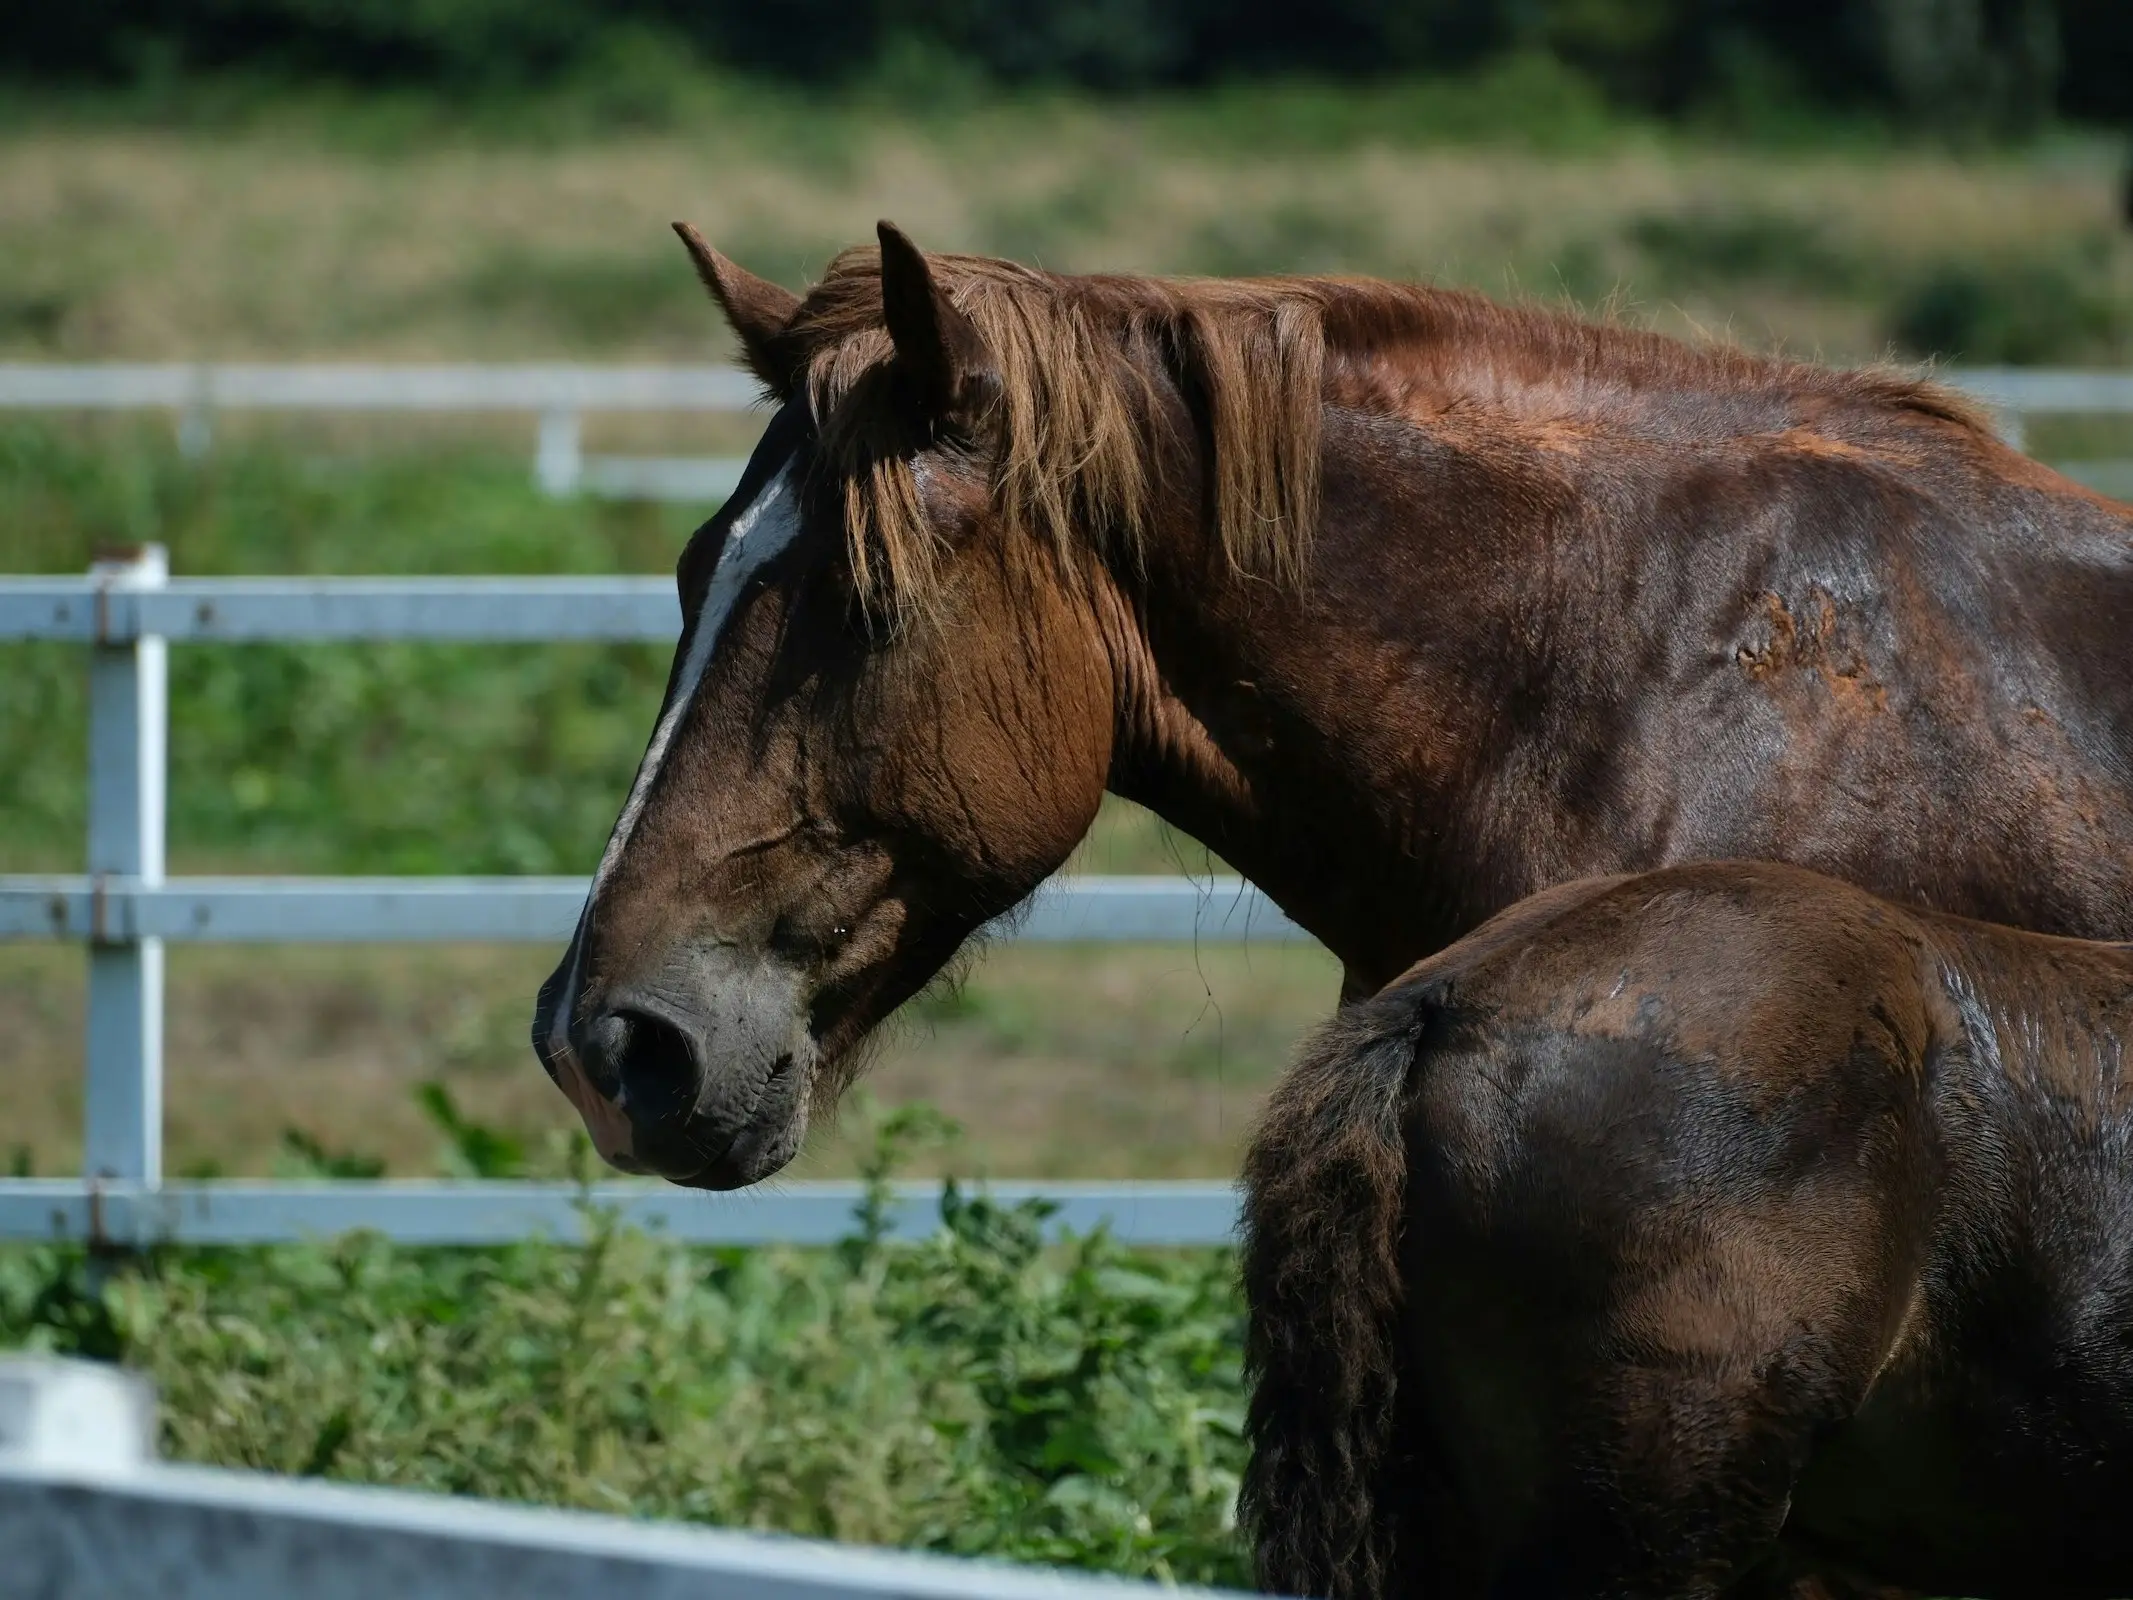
(472, 1149)
(2019, 311)
(304, 1156)
(896, 1137)
(996, 1388)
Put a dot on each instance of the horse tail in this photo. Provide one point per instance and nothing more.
(1325, 1184)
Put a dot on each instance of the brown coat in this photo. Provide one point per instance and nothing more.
(1676, 1234)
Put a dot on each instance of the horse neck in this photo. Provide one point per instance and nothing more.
(1326, 740)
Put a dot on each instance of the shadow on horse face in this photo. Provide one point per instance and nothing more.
(835, 796)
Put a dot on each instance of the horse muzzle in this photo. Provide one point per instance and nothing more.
(695, 1069)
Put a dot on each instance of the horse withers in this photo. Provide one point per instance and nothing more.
(1406, 603)
(1677, 1234)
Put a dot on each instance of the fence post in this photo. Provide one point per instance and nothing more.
(62, 1415)
(557, 459)
(196, 418)
(128, 724)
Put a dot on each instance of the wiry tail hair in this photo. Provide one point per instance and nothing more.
(1325, 1185)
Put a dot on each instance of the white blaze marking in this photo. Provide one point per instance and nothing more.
(758, 535)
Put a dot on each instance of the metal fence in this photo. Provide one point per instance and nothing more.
(124, 908)
(561, 396)
(87, 1513)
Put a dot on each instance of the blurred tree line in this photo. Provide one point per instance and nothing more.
(1961, 65)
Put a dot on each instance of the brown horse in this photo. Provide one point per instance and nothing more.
(1673, 1234)
(1405, 603)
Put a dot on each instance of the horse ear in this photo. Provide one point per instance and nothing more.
(939, 347)
(757, 309)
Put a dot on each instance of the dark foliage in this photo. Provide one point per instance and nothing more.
(1962, 65)
(2020, 312)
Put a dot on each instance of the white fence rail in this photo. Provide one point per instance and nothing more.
(561, 395)
(237, 1212)
(1068, 910)
(124, 908)
(87, 1513)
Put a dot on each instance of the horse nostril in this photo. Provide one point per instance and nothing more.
(657, 1068)
(600, 1045)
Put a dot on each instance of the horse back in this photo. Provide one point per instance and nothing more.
(1865, 640)
(1922, 681)
(1995, 1449)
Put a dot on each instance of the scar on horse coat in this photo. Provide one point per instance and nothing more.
(1680, 1233)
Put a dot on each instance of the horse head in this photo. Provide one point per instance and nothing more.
(888, 719)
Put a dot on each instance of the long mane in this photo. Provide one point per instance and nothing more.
(1082, 362)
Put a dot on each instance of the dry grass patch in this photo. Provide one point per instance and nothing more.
(280, 244)
(1142, 1061)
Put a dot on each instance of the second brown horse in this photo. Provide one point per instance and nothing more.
(1680, 1234)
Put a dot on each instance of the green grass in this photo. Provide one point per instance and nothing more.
(384, 758)
(979, 1393)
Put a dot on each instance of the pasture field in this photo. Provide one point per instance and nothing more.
(978, 1393)
(1109, 1061)
(398, 228)
(395, 230)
